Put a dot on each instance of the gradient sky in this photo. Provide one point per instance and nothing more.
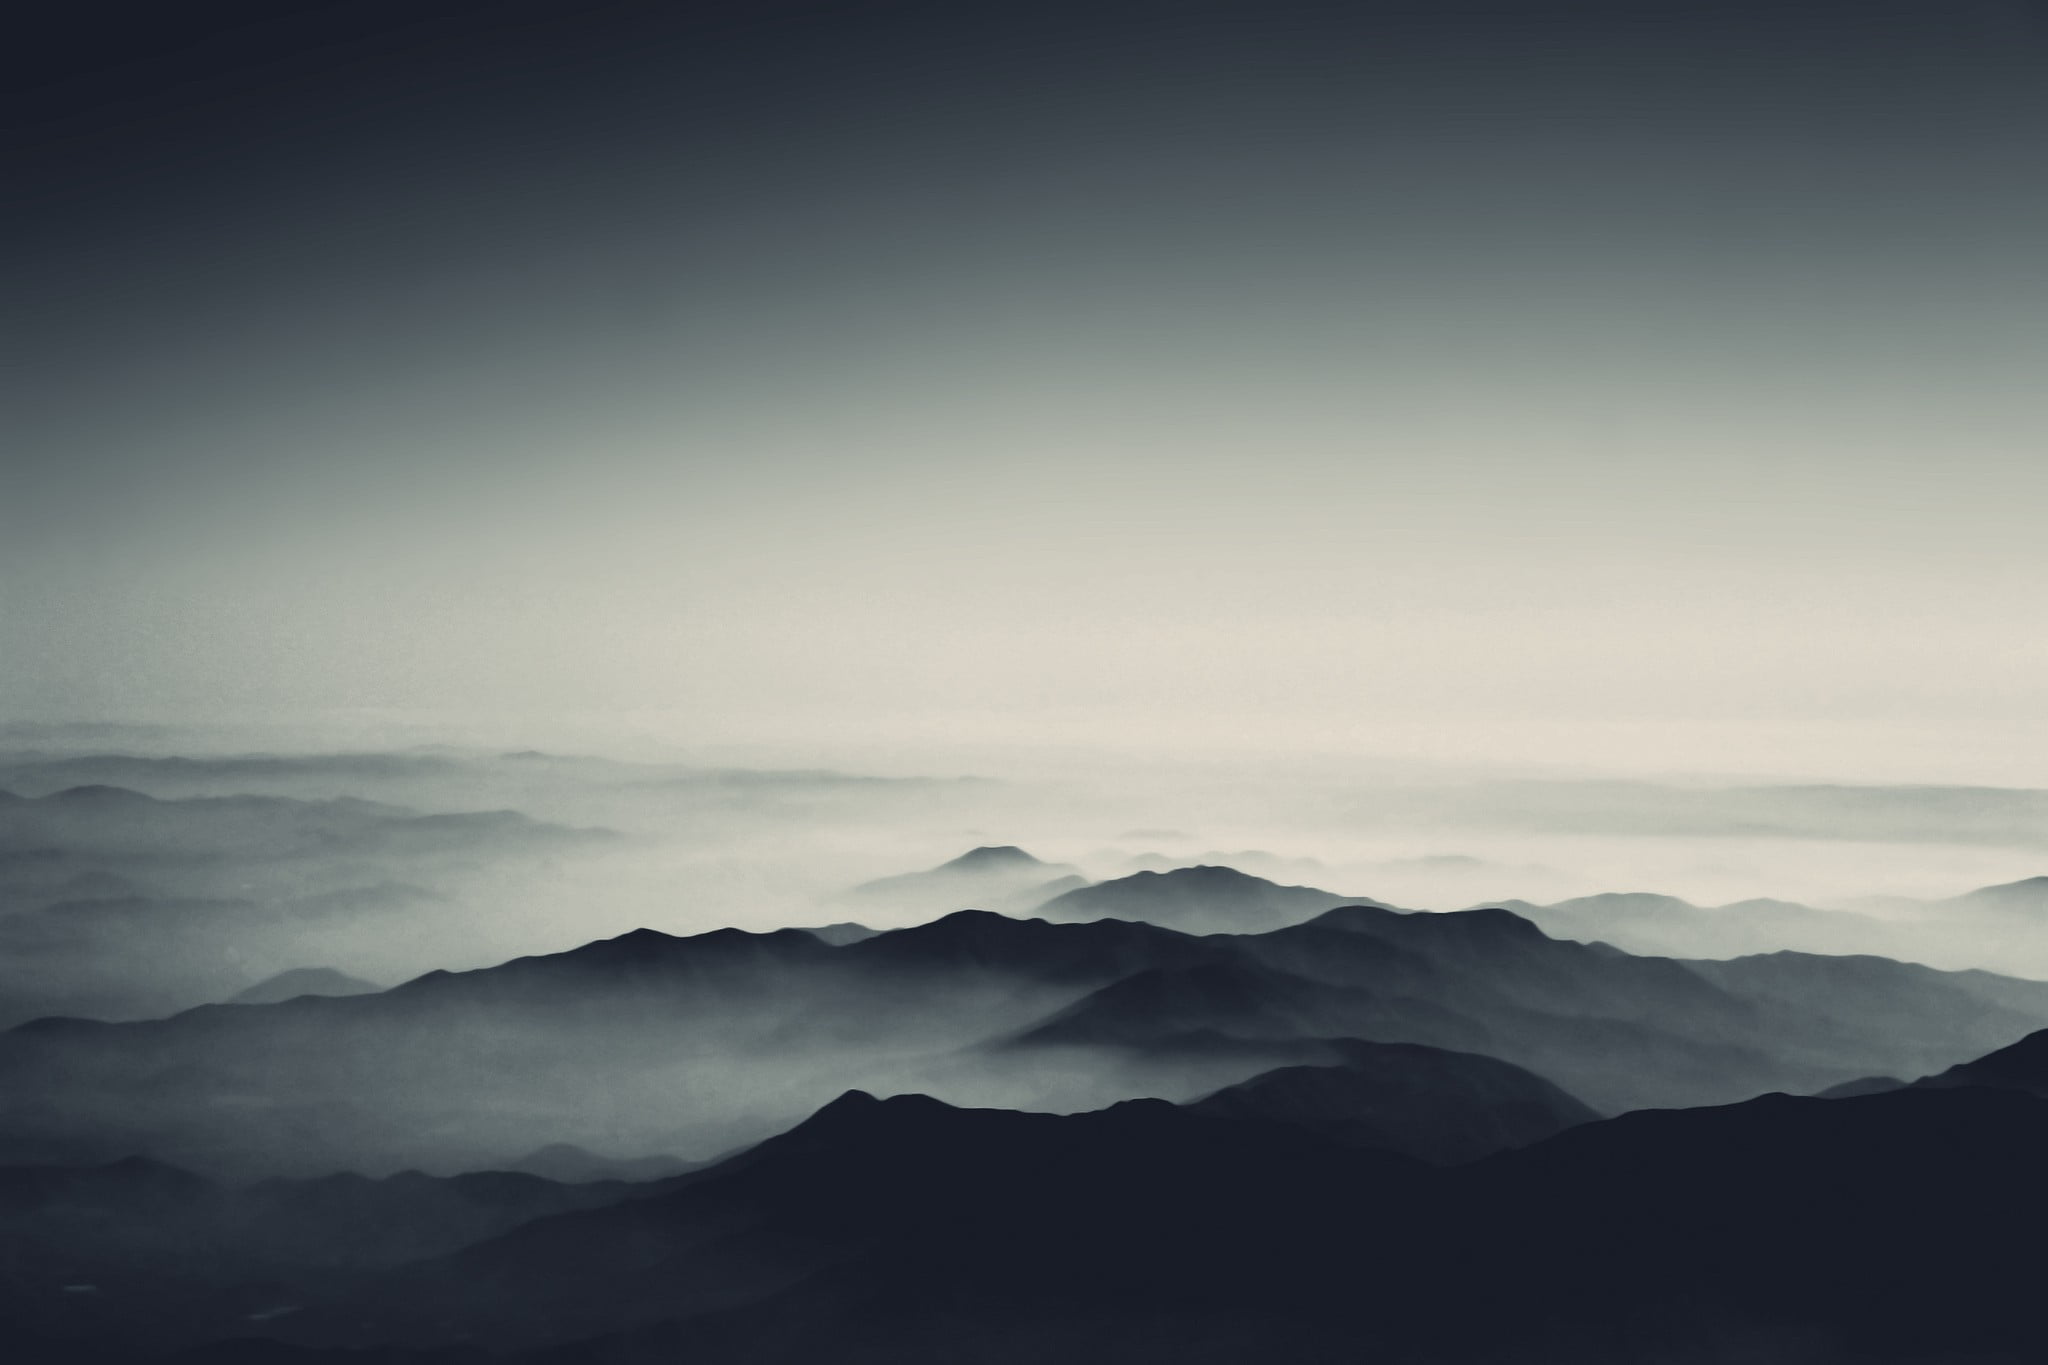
(1635, 385)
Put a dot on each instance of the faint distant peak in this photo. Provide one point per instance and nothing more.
(289, 985)
(99, 794)
(1627, 900)
(2029, 891)
(840, 934)
(989, 857)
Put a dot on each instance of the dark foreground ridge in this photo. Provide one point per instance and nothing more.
(1799, 1231)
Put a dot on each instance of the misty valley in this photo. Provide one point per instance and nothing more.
(444, 1055)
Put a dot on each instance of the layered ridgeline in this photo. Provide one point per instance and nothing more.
(1798, 1231)
(693, 1046)
(1200, 900)
(993, 877)
(2006, 924)
(118, 904)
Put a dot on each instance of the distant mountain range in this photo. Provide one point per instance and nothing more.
(2007, 924)
(116, 904)
(697, 1045)
(986, 1113)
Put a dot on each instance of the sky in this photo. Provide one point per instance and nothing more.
(1618, 387)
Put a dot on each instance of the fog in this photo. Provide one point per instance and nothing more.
(181, 868)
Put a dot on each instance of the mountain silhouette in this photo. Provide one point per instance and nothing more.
(2022, 1067)
(840, 934)
(702, 1044)
(1797, 1231)
(2028, 896)
(568, 1164)
(993, 877)
(990, 858)
(1866, 1085)
(1196, 900)
(122, 1260)
(1436, 1105)
(1642, 922)
(982, 940)
(1241, 1000)
(297, 981)
(871, 1189)
(1937, 1014)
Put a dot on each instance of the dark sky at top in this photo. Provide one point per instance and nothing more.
(568, 357)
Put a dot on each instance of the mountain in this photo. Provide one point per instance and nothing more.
(297, 981)
(1887, 1227)
(1624, 1032)
(1825, 1002)
(898, 1195)
(1893, 1227)
(997, 877)
(1867, 1085)
(2022, 1067)
(981, 942)
(639, 1042)
(2027, 897)
(1641, 922)
(117, 823)
(840, 934)
(125, 1259)
(1618, 1031)
(569, 1164)
(1435, 1105)
(116, 904)
(129, 957)
(1196, 900)
(697, 1045)
(1244, 1001)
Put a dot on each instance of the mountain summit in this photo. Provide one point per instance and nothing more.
(991, 877)
(1199, 900)
(990, 856)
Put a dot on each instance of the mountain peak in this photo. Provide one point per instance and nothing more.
(989, 857)
(1206, 898)
(298, 981)
(2027, 893)
(971, 922)
(2022, 1066)
(639, 941)
(860, 1114)
(652, 947)
(102, 795)
(1201, 874)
